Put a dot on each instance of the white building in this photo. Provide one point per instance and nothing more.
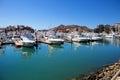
(117, 27)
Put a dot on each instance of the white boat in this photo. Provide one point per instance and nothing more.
(18, 43)
(53, 40)
(68, 38)
(108, 35)
(80, 38)
(95, 38)
(15, 38)
(24, 41)
(117, 36)
(27, 42)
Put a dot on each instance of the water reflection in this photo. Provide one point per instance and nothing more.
(2, 51)
(29, 52)
(77, 45)
(26, 52)
(53, 48)
(91, 45)
(117, 42)
(107, 41)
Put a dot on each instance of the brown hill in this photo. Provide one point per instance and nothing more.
(19, 28)
(71, 28)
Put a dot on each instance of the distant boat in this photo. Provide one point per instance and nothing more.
(80, 38)
(51, 39)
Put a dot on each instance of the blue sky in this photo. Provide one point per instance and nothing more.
(44, 14)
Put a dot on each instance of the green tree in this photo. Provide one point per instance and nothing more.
(107, 28)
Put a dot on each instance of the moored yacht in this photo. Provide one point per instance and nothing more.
(95, 38)
(80, 38)
(15, 38)
(27, 42)
(51, 39)
(24, 41)
(108, 35)
(117, 35)
(18, 43)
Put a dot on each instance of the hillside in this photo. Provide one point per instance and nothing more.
(71, 28)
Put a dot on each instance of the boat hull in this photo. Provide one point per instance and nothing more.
(96, 38)
(28, 44)
(80, 39)
(57, 42)
(18, 43)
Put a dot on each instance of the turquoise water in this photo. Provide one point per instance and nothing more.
(56, 62)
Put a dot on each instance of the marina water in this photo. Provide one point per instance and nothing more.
(56, 62)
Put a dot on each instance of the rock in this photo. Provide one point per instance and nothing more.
(74, 78)
(100, 75)
(107, 69)
(106, 73)
(111, 67)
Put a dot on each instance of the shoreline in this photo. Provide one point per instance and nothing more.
(108, 72)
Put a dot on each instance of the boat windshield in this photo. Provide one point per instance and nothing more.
(27, 38)
(30, 38)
